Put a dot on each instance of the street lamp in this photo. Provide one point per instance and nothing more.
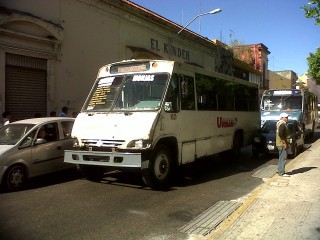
(171, 40)
(217, 10)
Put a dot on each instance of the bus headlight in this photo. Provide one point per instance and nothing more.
(75, 142)
(139, 143)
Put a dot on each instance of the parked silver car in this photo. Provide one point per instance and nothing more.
(33, 147)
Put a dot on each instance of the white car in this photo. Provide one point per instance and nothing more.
(33, 147)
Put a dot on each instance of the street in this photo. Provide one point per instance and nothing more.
(66, 206)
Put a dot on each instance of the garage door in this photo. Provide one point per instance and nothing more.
(26, 86)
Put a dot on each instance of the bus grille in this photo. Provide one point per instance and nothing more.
(102, 143)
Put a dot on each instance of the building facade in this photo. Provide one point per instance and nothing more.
(50, 51)
(256, 55)
(290, 77)
(277, 81)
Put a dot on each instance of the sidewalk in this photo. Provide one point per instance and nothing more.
(282, 207)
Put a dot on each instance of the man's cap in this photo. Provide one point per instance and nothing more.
(284, 115)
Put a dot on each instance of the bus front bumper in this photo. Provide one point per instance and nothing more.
(108, 159)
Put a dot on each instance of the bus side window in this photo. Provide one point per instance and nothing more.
(172, 103)
(187, 93)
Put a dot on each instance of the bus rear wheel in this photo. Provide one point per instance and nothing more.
(157, 170)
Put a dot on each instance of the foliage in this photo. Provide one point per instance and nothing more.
(312, 10)
(242, 52)
(314, 65)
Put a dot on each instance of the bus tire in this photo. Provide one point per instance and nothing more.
(157, 170)
(92, 173)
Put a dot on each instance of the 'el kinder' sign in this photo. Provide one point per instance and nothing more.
(169, 49)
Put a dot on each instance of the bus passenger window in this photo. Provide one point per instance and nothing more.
(187, 93)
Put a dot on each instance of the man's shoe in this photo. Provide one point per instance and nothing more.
(285, 175)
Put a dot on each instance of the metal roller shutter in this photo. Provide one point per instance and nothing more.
(26, 86)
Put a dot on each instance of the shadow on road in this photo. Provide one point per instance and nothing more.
(50, 179)
(301, 170)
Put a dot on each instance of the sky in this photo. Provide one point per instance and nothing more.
(278, 24)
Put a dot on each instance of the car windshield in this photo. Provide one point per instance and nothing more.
(127, 93)
(277, 103)
(10, 134)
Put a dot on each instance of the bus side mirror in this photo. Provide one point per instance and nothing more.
(168, 107)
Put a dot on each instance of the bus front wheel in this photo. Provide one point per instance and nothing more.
(157, 169)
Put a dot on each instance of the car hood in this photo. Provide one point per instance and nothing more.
(270, 137)
(4, 148)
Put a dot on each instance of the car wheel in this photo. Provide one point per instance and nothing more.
(15, 178)
(301, 147)
(255, 153)
(294, 151)
(157, 170)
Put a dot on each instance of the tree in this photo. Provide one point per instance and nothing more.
(242, 52)
(314, 65)
(312, 10)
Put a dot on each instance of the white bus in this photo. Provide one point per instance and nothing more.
(301, 105)
(155, 115)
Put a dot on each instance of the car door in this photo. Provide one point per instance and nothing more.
(47, 153)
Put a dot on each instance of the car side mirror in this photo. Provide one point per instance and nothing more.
(40, 141)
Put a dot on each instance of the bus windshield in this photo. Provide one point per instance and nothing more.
(281, 103)
(133, 92)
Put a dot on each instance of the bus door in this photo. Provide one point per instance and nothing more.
(180, 109)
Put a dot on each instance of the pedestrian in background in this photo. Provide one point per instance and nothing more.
(74, 114)
(53, 114)
(282, 143)
(6, 118)
(64, 112)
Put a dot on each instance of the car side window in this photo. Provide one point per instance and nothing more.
(51, 132)
(67, 128)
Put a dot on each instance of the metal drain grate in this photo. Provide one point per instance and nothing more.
(211, 218)
(266, 172)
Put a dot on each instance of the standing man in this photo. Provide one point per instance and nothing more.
(282, 143)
